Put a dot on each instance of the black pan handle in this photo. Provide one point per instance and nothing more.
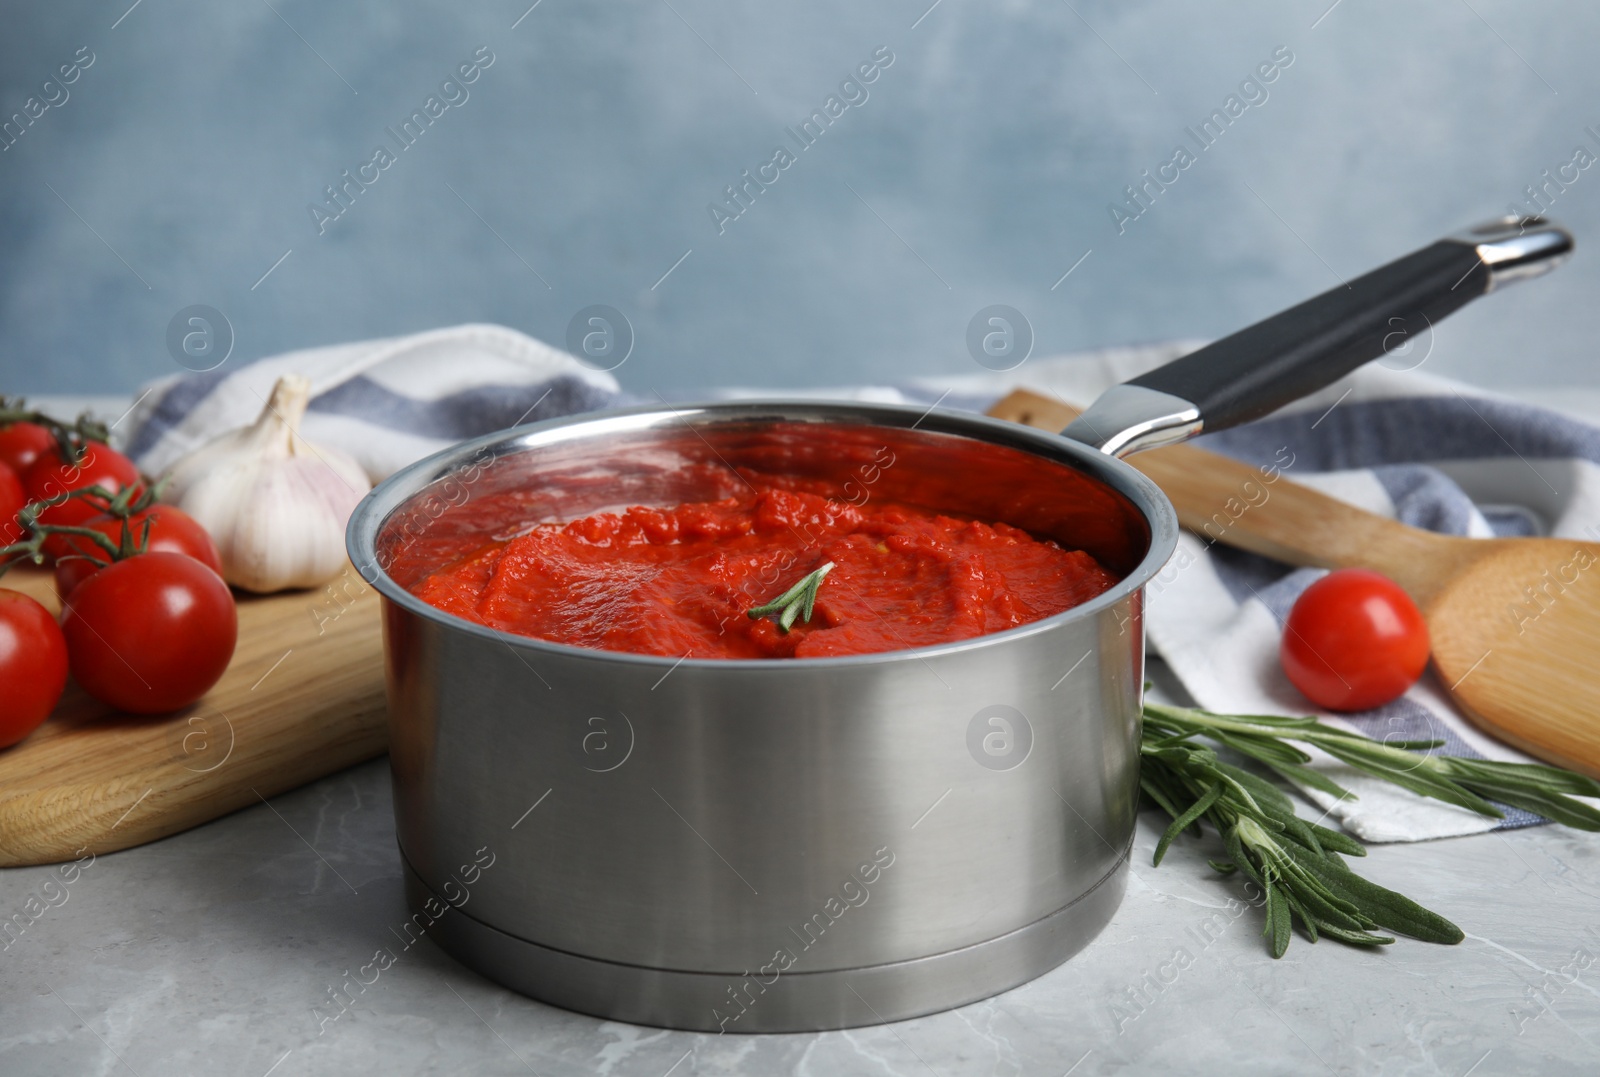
(1289, 355)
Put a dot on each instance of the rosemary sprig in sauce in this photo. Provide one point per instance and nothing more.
(795, 602)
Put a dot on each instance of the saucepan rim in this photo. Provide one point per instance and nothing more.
(372, 513)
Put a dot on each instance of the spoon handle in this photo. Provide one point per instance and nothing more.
(1262, 510)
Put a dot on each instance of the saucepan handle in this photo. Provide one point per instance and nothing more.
(1289, 355)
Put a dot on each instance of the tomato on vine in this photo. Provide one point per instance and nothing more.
(33, 665)
(151, 633)
(170, 530)
(22, 442)
(12, 500)
(148, 624)
(52, 458)
(97, 464)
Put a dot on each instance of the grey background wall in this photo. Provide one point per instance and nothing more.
(577, 169)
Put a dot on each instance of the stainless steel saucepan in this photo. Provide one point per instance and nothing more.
(784, 845)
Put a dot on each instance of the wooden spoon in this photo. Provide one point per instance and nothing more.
(1515, 622)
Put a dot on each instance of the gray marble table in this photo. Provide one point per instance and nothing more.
(214, 952)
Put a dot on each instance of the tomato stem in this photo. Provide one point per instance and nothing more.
(72, 441)
(122, 505)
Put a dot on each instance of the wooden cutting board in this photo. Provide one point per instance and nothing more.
(302, 698)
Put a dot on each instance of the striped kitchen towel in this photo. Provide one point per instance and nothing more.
(385, 402)
(1428, 451)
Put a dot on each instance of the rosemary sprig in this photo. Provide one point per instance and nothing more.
(795, 602)
(1299, 866)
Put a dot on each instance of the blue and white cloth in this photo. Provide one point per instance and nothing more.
(1427, 451)
(385, 402)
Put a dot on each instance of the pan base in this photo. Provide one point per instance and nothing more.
(794, 1001)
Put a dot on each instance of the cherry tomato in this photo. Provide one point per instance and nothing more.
(23, 443)
(1354, 641)
(50, 476)
(150, 634)
(33, 665)
(173, 531)
(12, 499)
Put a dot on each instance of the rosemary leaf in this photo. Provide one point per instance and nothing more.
(1280, 919)
(1183, 822)
(1385, 907)
(1416, 778)
(1356, 938)
(797, 601)
(1337, 841)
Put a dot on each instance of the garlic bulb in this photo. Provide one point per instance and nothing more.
(275, 505)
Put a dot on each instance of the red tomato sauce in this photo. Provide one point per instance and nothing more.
(680, 581)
